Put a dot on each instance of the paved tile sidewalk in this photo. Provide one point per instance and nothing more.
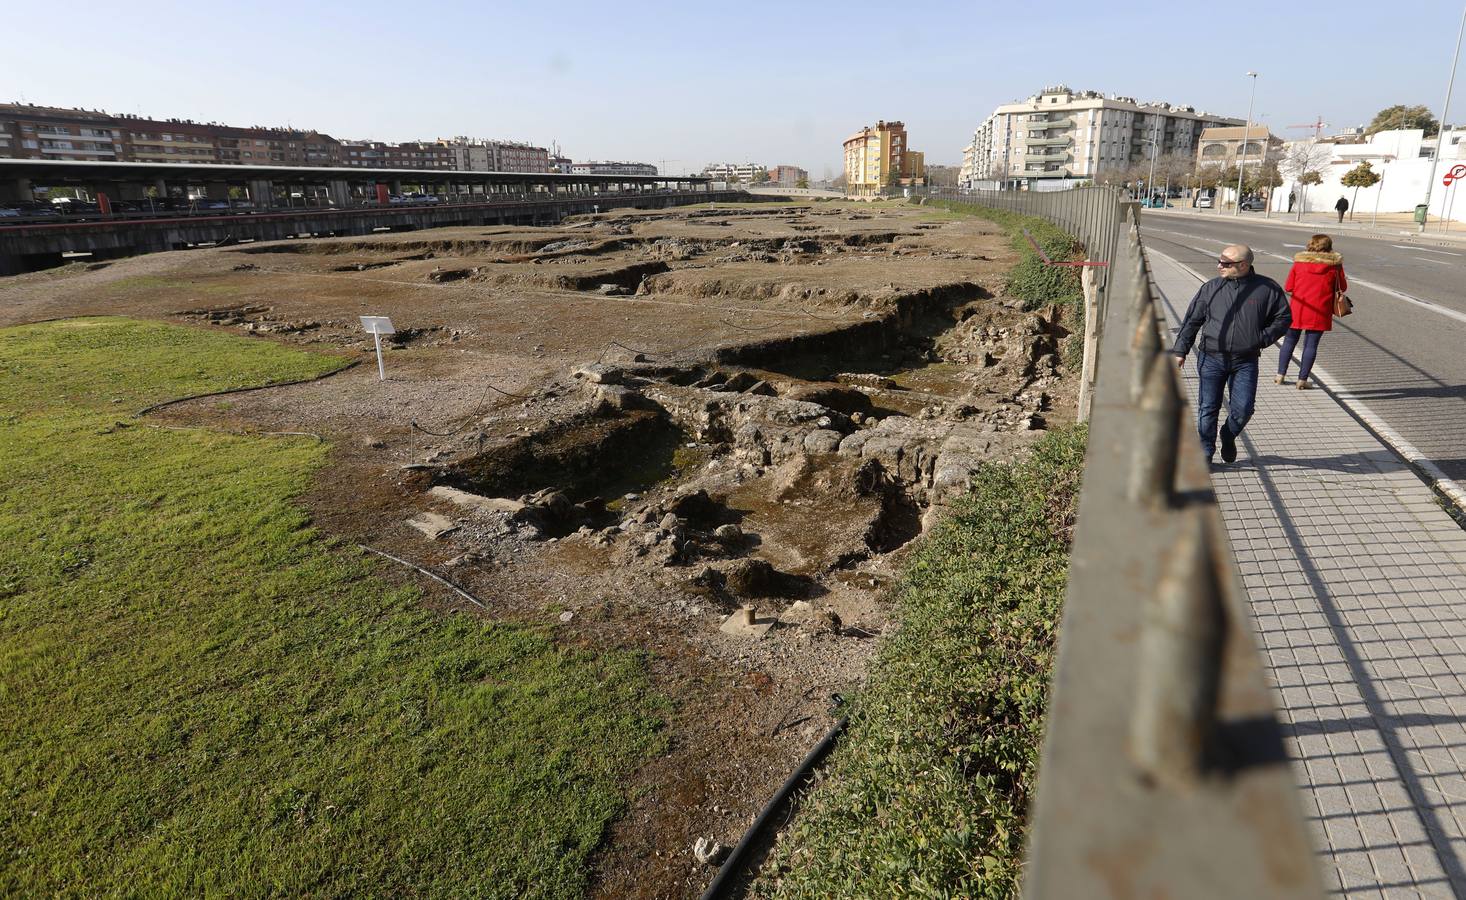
(1357, 583)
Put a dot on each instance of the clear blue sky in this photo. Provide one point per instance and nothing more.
(692, 82)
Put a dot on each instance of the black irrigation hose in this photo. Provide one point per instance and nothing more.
(737, 864)
(438, 578)
(241, 390)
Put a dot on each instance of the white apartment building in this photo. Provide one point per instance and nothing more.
(612, 168)
(1063, 135)
(474, 155)
(748, 172)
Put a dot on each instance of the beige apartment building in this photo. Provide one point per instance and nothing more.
(879, 157)
(1223, 147)
(1061, 135)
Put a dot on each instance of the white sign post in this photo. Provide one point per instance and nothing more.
(377, 326)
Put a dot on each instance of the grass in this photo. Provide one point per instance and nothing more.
(926, 794)
(203, 695)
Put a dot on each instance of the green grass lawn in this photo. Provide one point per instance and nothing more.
(202, 695)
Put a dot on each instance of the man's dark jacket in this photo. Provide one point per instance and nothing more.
(1238, 316)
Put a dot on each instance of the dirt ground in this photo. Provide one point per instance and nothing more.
(639, 428)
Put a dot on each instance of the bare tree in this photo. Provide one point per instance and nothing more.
(1303, 162)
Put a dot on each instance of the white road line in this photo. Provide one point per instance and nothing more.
(1447, 485)
(1423, 249)
(1398, 295)
(1439, 262)
(1299, 246)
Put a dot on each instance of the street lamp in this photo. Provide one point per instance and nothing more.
(1440, 137)
(1154, 149)
(1242, 157)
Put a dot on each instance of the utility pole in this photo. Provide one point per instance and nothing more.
(1154, 149)
(1445, 111)
(1242, 156)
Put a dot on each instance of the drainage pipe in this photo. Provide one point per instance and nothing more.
(739, 861)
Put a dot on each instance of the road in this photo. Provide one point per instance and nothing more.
(1400, 359)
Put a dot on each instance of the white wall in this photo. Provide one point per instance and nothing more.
(1404, 180)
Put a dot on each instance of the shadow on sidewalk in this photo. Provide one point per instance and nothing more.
(1375, 462)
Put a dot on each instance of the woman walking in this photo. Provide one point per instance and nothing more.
(1317, 275)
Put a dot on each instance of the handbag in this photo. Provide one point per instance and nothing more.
(1343, 306)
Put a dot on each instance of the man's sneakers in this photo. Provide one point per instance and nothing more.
(1229, 445)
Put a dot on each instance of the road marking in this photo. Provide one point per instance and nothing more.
(1423, 249)
(1299, 246)
(1438, 478)
(1439, 262)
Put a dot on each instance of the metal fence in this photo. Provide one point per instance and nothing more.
(1163, 772)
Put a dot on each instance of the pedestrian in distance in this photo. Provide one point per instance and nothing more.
(1342, 206)
(1316, 278)
(1292, 198)
(1231, 318)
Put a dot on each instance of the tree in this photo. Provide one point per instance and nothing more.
(802, 183)
(1361, 176)
(1399, 116)
(761, 176)
(1302, 162)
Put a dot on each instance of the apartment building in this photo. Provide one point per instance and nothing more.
(37, 132)
(788, 176)
(1062, 134)
(34, 132)
(1224, 147)
(878, 157)
(746, 172)
(612, 168)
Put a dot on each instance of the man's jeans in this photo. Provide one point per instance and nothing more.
(1239, 373)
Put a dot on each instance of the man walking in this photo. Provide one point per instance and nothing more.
(1292, 198)
(1236, 314)
(1342, 207)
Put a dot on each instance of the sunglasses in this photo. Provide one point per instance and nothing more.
(1228, 263)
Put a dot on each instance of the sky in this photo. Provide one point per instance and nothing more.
(683, 84)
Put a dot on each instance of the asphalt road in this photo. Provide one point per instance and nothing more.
(1403, 352)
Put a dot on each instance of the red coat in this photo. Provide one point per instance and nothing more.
(1311, 285)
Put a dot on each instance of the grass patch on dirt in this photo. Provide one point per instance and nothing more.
(1031, 280)
(926, 794)
(203, 695)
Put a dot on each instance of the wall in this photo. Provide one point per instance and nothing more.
(1404, 177)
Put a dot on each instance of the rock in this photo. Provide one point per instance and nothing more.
(728, 534)
(477, 501)
(737, 383)
(822, 441)
(566, 616)
(611, 290)
(762, 388)
(599, 373)
(670, 523)
(608, 397)
(752, 578)
(372, 443)
(432, 524)
(694, 505)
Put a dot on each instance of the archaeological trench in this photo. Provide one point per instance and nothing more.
(708, 434)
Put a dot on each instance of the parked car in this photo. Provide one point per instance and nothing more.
(9, 212)
(209, 203)
(1254, 204)
(1203, 202)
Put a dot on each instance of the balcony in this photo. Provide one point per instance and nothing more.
(1058, 140)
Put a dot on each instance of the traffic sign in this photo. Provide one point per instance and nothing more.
(1456, 172)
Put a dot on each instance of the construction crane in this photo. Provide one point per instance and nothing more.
(1317, 127)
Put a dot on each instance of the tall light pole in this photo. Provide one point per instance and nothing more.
(1445, 111)
(1155, 148)
(1242, 157)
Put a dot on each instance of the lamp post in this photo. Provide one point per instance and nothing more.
(1242, 157)
(1445, 111)
(1154, 149)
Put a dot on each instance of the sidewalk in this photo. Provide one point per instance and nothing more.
(1357, 585)
(1394, 226)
